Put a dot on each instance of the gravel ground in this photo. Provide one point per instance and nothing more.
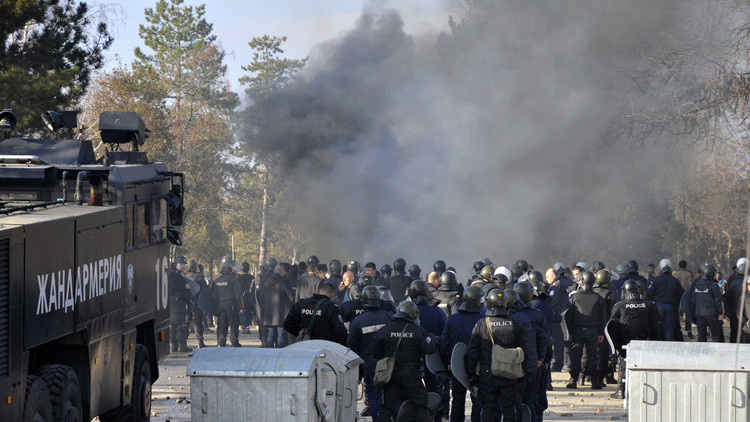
(171, 393)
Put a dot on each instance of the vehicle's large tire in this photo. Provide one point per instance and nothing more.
(65, 393)
(37, 406)
(139, 409)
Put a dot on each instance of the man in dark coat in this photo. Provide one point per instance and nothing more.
(276, 295)
(666, 291)
(399, 281)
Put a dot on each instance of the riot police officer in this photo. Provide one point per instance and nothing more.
(415, 272)
(666, 291)
(361, 340)
(439, 266)
(508, 331)
(199, 318)
(227, 294)
(386, 270)
(179, 295)
(601, 287)
(558, 298)
(708, 306)
(523, 293)
(335, 278)
(633, 318)
(432, 319)
(447, 293)
(399, 281)
(326, 325)
(585, 318)
(354, 306)
(406, 382)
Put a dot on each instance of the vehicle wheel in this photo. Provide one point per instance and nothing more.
(37, 407)
(139, 409)
(65, 393)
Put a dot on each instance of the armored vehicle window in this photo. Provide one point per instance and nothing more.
(129, 226)
(144, 228)
(158, 220)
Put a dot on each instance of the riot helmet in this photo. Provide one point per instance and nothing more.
(365, 280)
(399, 265)
(370, 297)
(192, 265)
(439, 266)
(665, 266)
(417, 291)
(448, 278)
(524, 265)
(559, 268)
(179, 259)
(495, 298)
(516, 272)
(536, 275)
(486, 287)
(603, 277)
(512, 298)
(487, 273)
(486, 261)
(540, 287)
(226, 264)
(597, 266)
(630, 290)
(471, 299)
(386, 270)
(710, 273)
(271, 264)
(741, 265)
(632, 266)
(407, 310)
(312, 260)
(621, 270)
(335, 267)
(525, 290)
(353, 266)
(478, 265)
(581, 265)
(415, 271)
(385, 294)
(587, 280)
(236, 266)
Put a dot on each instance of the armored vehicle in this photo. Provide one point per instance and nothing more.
(84, 264)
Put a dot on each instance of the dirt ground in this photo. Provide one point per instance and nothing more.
(171, 393)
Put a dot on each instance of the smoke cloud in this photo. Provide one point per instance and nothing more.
(486, 142)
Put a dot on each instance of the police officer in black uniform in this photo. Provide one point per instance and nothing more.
(179, 295)
(448, 294)
(386, 270)
(666, 291)
(458, 330)
(361, 340)
(406, 382)
(601, 287)
(399, 281)
(199, 317)
(227, 294)
(558, 298)
(586, 318)
(439, 266)
(633, 318)
(708, 306)
(508, 331)
(522, 295)
(415, 272)
(327, 324)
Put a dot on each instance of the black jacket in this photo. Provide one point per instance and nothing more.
(415, 345)
(276, 297)
(508, 331)
(449, 298)
(587, 310)
(706, 299)
(399, 283)
(327, 324)
(226, 288)
(362, 332)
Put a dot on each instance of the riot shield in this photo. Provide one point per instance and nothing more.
(564, 326)
(435, 364)
(685, 306)
(206, 302)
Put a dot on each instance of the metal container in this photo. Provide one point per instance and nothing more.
(675, 381)
(313, 380)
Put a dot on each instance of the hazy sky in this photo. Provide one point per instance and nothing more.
(305, 23)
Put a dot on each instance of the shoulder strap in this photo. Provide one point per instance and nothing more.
(489, 329)
(399, 339)
(315, 313)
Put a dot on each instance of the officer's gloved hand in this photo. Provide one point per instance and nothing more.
(474, 380)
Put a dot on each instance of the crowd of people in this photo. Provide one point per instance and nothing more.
(559, 320)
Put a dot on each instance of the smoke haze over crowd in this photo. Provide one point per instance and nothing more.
(487, 142)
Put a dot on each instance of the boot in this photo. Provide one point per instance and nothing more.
(201, 344)
(596, 384)
(610, 379)
(184, 349)
(236, 344)
(619, 394)
(572, 383)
